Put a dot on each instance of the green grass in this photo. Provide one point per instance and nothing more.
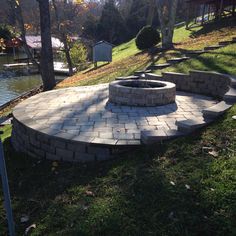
(174, 188)
(168, 189)
(222, 60)
(125, 50)
(127, 58)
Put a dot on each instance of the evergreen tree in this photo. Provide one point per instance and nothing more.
(137, 18)
(111, 26)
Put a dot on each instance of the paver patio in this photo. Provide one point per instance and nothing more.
(84, 114)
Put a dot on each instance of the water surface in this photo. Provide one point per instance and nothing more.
(11, 85)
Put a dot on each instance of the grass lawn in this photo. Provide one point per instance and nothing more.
(127, 58)
(182, 187)
(221, 60)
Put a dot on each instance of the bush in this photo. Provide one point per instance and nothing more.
(78, 54)
(147, 37)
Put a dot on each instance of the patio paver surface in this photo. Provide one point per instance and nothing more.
(85, 114)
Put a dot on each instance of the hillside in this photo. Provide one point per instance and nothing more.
(181, 187)
(127, 58)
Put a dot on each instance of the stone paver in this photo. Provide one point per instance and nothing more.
(190, 125)
(216, 110)
(84, 114)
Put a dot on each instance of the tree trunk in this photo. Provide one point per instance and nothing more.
(67, 52)
(16, 8)
(167, 13)
(151, 12)
(63, 38)
(46, 59)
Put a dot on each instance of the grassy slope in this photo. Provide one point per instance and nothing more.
(145, 192)
(222, 60)
(127, 58)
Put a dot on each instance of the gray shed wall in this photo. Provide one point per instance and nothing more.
(102, 52)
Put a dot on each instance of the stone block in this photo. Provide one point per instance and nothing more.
(53, 157)
(216, 110)
(64, 154)
(153, 136)
(39, 152)
(159, 66)
(225, 43)
(230, 96)
(48, 148)
(233, 82)
(57, 143)
(76, 147)
(34, 141)
(190, 125)
(151, 76)
(84, 157)
(213, 47)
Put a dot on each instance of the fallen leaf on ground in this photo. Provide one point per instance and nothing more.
(28, 229)
(213, 153)
(187, 186)
(89, 193)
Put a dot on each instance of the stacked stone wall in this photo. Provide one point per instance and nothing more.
(202, 82)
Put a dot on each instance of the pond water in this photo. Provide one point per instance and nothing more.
(11, 86)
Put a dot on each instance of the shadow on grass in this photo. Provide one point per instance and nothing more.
(215, 25)
(161, 190)
(95, 68)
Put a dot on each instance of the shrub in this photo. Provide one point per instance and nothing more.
(147, 37)
(78, 54)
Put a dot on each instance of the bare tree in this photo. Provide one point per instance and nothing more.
(46, 59)
(167, 13)
(62, 34)
(16, 8)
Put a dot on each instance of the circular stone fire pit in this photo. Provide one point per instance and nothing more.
(142, 92)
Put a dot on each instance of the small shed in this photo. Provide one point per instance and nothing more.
(102, 51)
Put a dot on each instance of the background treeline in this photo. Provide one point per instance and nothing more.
(113, 20)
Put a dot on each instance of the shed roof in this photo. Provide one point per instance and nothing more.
(103, 41)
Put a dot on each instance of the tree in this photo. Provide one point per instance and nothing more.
(151, 12)
(147, 38)
(167, 13)
(137, 17)
(46, 59)
(62, 34)
(16, 8)
(111, 26)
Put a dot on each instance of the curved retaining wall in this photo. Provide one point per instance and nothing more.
(203, 82)
(43, 146)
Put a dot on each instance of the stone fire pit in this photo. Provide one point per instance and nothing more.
(142, 92)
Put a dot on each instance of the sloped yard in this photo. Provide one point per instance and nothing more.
(182, 187)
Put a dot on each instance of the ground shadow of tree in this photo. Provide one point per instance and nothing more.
(161, 190)
(212, 26)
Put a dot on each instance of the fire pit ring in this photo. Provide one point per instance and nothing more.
(142, 92)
